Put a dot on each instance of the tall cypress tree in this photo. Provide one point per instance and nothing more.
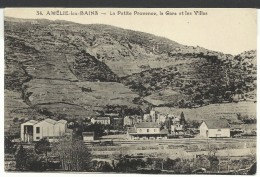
(21, 158)
(182, 120)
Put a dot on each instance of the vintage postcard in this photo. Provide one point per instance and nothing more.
(158, 91)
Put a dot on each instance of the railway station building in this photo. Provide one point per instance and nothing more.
(147, 131)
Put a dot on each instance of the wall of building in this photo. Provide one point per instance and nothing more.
(59, 129)
(88, 138)
(212, 133)
(92, 120)
(161, 118)
(176, 127)
(23, 135)
(46, 130)
(203, 130)
(148, 130)
(103, 121)
(128, 121)
(146, 137)
(147, 117)
(153, 115)
(219, 133)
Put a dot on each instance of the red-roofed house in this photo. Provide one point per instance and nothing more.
(215, 129)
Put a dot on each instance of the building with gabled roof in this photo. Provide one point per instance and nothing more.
(132, 120)
(26, 132)
(147, 130)
(112, 114)
(101, 120)
(176, 126)
(88, 136)
(62, 121)
(147, 125)
(48, 128)
(51, 121)
(215, 129)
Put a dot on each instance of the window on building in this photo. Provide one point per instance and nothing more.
(37, 138)
(154, 130)
(147, 130)
(219, 130)
(37, 129)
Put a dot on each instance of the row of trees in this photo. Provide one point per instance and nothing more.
(64, 154)
(73, 155)
(246, 119)
(129, 164)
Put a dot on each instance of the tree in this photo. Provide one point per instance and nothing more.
(193, 124)
(21, 158)
(35, 163)
(181, 103)
(101, 166)
(252, 170)
(15, 120)
(168, 122)
(214, 163)
(9, 145)
(201, 162)
(164, 158)
(73, 154)
(182, 119)
(42, 146)
(97, 128)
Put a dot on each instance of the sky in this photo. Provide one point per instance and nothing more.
(231, 31)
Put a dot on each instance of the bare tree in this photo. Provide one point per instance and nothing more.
(164, 157)
(73, 154)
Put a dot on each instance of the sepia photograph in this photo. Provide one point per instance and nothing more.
(124, 90)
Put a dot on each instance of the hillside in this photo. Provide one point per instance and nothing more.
(63, 69)
(227, 111)
(46, 76)
(200, 80)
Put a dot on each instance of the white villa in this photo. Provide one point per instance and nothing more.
(161, 118)
(35, 130)
(215, 129)
(101, 120)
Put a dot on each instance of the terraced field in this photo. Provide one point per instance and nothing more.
(67, 98)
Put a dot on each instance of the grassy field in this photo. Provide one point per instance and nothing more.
(213, 111)
(163, 97)
(131, 66)
(15, 107)
(67, 98)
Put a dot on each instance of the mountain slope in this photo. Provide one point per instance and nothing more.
(67, 70)
(45, 77)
